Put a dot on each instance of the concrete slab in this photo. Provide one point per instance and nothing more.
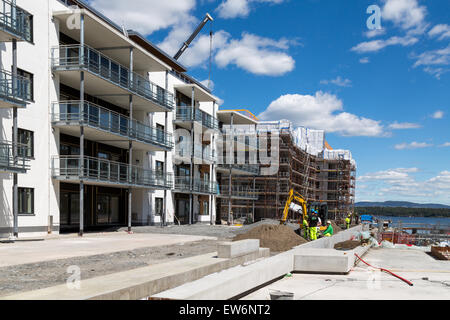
(142, 282)
(231, 249)
(90, 244)
(365, 283)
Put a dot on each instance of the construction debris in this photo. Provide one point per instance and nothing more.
(276, 237)
(347, 245)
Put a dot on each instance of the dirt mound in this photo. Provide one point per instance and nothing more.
(347, 245)
(276, 237)
(336, 228)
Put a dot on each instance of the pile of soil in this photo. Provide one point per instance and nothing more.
(276, 237)
(347, 245)
(336, 228)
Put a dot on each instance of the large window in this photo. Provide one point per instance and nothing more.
(26, 143)
(158, 206)
(159, 167)
(26, 201)
(30, 88)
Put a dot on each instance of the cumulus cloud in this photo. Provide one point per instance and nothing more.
(364, 60)
(377, 45)
(441, 31)
(446, 144)
(338, 81)
(407, 14)
(321, 111)
(404, 125)
(412, 145)
(145, 16)
(258, 55)
(438, 114)
(402, 183)
(238, 8)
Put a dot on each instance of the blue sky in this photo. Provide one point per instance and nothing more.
(383, 94)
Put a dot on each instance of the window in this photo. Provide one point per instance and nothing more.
(160, 133)
(26, 201)
(158, 206)
(26, 143)
(159, 167)
(29, 88)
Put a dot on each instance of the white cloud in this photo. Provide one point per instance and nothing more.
(338, 81)
(438, 114)
(435, 62)
(376, 45)
(446, 144)
(404, 125)
(321, 111)
(364, 60)
(407, 14)
(412, 145)
(258, 55)
(401, 183)
(145, 16)
(238, 8)
(441, 30)
(375, 33)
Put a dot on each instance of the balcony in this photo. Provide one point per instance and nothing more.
(201, 155)
(108, 79)
(239, 193)
(7, 163)
(15, 91)
(15, 23)
(185, 115)
(199, 186)
(239, 169)
(108, 126)
(104, 172)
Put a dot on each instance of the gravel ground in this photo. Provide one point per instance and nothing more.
(26, 277)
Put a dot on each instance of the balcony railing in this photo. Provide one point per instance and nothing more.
(16, 89)
(15, 20)
(200, 153)
(188, 114)
(92, 115)
(250, 168)
(182, 183)
(110, 172)
(77, 57)
(238, 192)
(7, 162)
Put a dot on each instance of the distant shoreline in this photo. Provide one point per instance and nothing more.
(404, 212)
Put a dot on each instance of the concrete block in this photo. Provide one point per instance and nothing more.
(233, 249)
(323, 260)
(232, 282)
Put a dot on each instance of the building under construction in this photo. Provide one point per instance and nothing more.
(306, 163)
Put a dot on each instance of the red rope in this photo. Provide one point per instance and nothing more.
(386, 270)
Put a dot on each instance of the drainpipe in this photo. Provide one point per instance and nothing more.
(81, 164)
(15, 141)
(232, 161)
(166, 123)
(211, 170)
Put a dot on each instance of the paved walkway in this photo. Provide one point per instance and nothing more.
(22, 252)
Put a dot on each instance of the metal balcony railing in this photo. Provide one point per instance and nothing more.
(185, 113)
(250, 168)
(14, 88)
(77, 57)
(89, 114)
(110, 172)
(15, 20)
(7, 162)
(182, 183)
(238, 192)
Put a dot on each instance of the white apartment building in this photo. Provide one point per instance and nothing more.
(96, 126)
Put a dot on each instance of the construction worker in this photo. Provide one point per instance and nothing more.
(305, 227)
(329, 230)
(313, 220)
(347, 221)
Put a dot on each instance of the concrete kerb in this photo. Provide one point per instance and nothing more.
(235, 281)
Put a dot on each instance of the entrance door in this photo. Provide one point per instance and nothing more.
(183, 211)
(107, 209)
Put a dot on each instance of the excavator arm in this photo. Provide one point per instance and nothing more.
(297, 197)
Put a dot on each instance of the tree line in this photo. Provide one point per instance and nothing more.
(404, 212)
